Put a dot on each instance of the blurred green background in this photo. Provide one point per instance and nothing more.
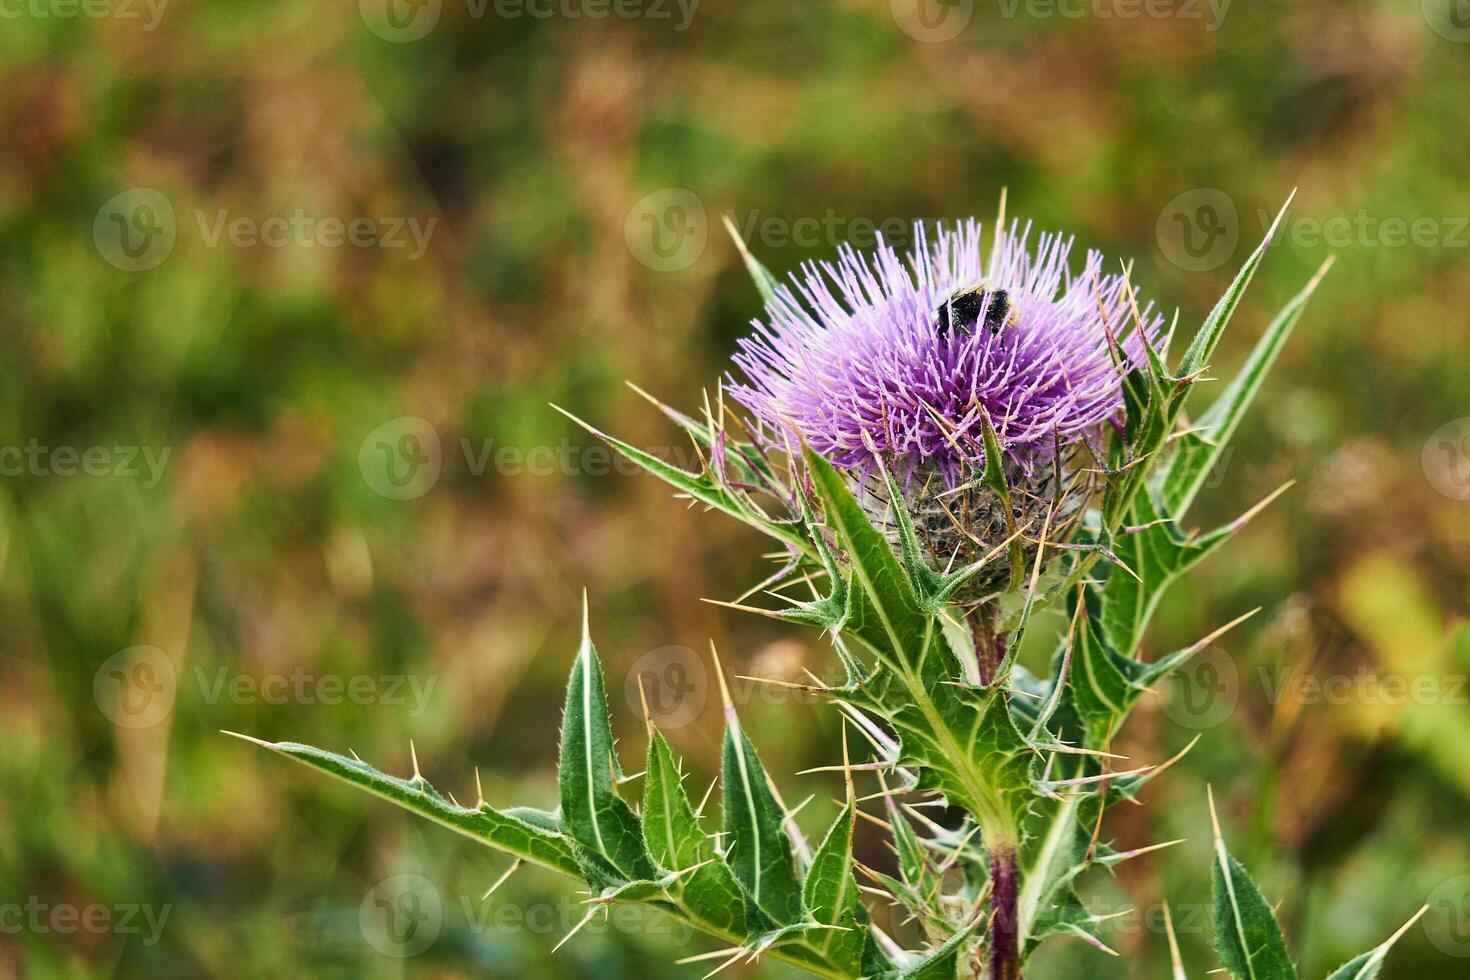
(273, 464)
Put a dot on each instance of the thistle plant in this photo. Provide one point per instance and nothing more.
(941, 444)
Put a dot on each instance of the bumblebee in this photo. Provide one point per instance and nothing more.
(979, 304)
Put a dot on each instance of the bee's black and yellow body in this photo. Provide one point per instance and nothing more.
(977, 305)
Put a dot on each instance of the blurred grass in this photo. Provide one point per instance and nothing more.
(265, 548)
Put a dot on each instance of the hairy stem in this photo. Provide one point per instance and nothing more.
(1005, 960)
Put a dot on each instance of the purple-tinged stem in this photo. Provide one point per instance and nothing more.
(1005, 959)
(990, 644)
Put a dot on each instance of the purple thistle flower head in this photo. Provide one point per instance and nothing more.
(875, 356)
(904, 360)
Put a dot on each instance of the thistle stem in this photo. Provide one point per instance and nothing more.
(1005, 960)
(990, 643)
(1003, 951)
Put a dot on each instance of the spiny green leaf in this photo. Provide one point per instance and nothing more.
(1157, 554)
(656, 890)
(1052, 856)
(892, 621)
(830, 895)
(828, 612)
(966, 745)
(675, 839)
(936, 925)
(749, 464)
(1247, 934)
(1145, 409)
(700, 487)
(1105, 685)
(855, 672)
(532, 835)
(1197, 356)
(1249, 938)
(764, 281)
(758, 848)
(994, 477)
(1158, 373)
(1101, 692)
(1198, 451)
(1365, 966)
(943, 962)
(594, 815)
(913, 863)
(927, 582)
